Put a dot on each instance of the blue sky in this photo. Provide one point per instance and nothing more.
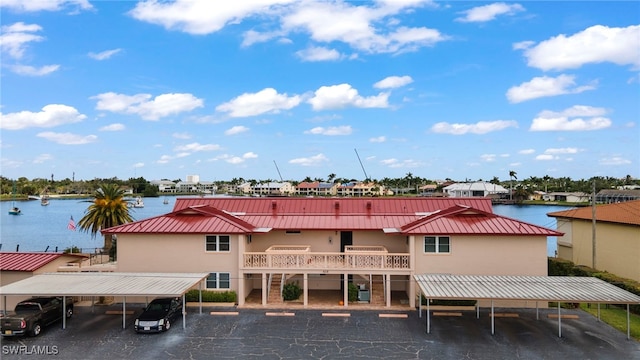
(460, 90)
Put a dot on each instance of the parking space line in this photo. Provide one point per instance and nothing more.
(336, 314)
(505, 315)
(118, 312)
(399, 316)
(224, 313)
(280, 314)
(568, 316)
(443, 313)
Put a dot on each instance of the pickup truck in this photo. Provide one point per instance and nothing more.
(30, 316)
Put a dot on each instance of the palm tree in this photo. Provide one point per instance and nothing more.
(331, 177)
(109, 209)
(512, 175)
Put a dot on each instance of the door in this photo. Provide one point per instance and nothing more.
(346, 239)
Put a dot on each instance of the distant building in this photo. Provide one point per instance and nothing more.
(572, 197)
(609, 196)
(164, 186)
(474, 189)
(617, 237)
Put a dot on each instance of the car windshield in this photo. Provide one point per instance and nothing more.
(158, 307)
(27, 307)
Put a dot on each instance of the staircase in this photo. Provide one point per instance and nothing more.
(275, 297)
(377, 290)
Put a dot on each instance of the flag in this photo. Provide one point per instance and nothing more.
(72, 225)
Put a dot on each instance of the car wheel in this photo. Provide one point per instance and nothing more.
(69, 312)
(37, 329)
(167, 324)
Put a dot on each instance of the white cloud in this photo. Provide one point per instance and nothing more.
(395, 163)
(310, 161)
(236, 130)
(138, 165)
(104, 54)
(616, 160)
(481, 127)
(45, 5)
(182, 136)
(15, 38)
(330, 131)
(526, 151)
(379, 139)
(194, 147)
(368, 27)
(554, 151)
(113, 127)
(316, 53)
(596, 44)
(545, 86)
(264, 101)
(575, 118)
(342, 96)
(489, 12)
(488, 157)
(42, 158)
(393, 82)
(147, 108)
(50, 116)
(67, 138)
(249, 155)
(546, 157)
(33, 71)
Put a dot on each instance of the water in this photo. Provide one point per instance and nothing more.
(41, 227)
(534, 214)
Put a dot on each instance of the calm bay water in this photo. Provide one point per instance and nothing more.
(40, 226)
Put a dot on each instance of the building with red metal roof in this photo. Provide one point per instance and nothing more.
(255, 244)
(617, 237)
(16, 266)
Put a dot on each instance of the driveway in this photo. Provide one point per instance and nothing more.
(310, 335)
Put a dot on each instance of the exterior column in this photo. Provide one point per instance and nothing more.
(305, 287)
(412, 267)
(264, 289)
(241, 287)
(345, 284)
(388, 295)
(241, 282)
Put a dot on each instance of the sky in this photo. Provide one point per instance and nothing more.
(268, 89)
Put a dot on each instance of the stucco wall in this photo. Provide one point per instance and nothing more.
(617, 248)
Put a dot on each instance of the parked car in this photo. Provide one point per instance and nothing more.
(30, 316)
(158, 315)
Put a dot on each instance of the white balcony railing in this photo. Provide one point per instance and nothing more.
(326, 261)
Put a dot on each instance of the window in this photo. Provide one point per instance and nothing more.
(437, 244)
(217, 280)
(219, 243)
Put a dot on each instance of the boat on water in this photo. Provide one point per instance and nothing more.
(14, 209)
(138, 203)
(165, 201)
(44, 200)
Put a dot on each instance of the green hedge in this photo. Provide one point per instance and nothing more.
(560, 267)
(211, 296)
(291, 291)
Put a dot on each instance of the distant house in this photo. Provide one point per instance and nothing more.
(617, 239)
(316, 188)
(474, 189)
(164, 186)
(609, 196)
(273, 188)
(572, 197)
(15, 266)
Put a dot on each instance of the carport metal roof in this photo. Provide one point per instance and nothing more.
(105, 284)
(530, 288)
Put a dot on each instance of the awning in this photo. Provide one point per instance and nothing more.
(106, 284)
(568, 289)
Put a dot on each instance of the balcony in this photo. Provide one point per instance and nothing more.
(299, 257)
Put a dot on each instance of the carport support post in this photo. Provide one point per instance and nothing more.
(428, 318)
(493, 321)
(184, 311)
(124, 312)
(537, 316)
(598, 311)
(628, 324)
(199, 296)
(64, 312)
(419, 302)
(559, 321)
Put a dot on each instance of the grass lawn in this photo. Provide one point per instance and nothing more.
(616, 317)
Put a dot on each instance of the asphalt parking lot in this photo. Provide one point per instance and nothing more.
(310, 335)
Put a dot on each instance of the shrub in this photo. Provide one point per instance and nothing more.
(291, 291)
(211, 296)
(353, 292)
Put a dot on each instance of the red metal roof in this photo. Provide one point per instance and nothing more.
(399, 215)
(627, 212)
(28, 261)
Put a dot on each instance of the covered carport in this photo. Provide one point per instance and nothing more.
(116, 284)
(528, 288)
